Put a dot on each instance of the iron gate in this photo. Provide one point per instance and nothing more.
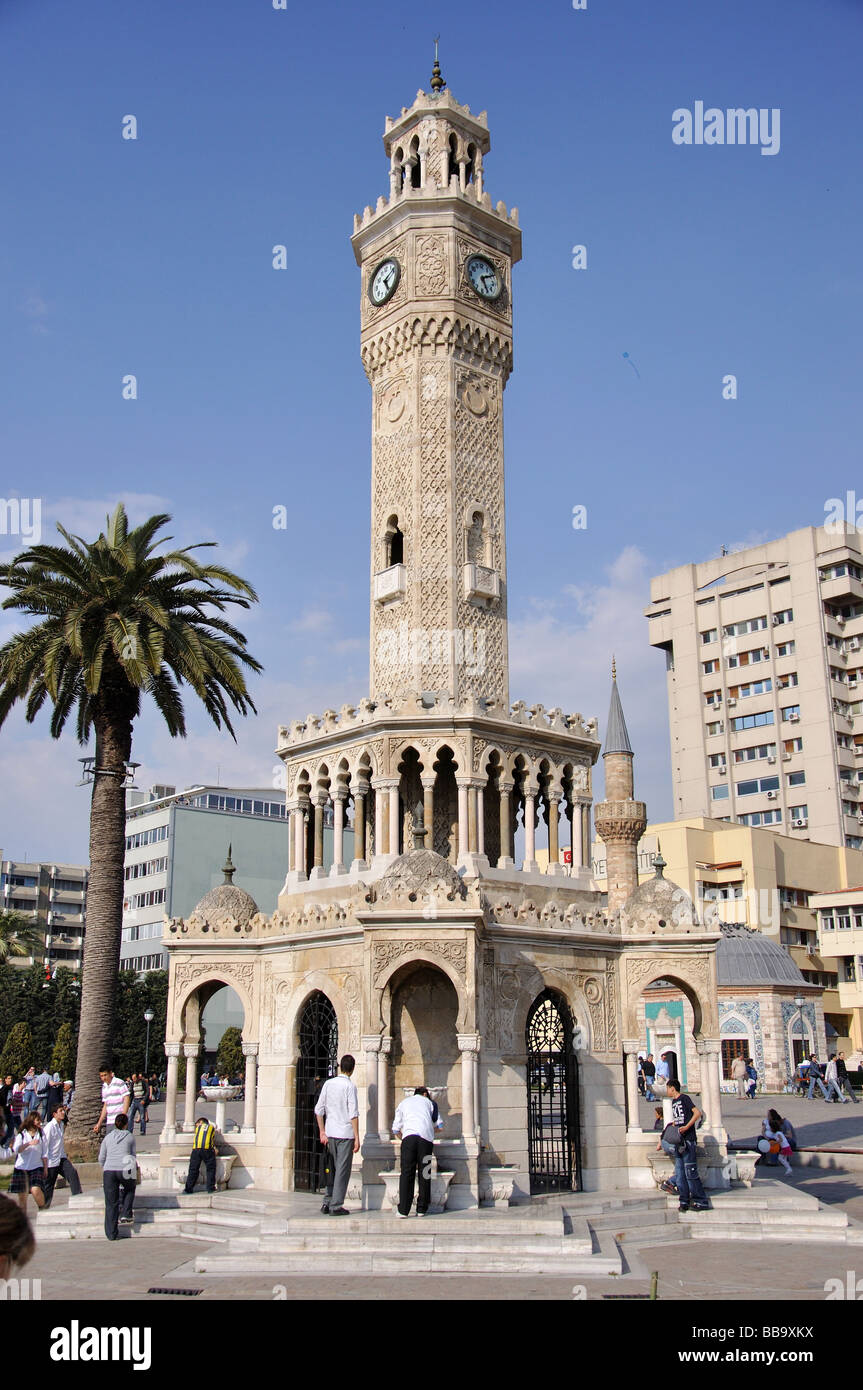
(318, 1060)
(552, 1096)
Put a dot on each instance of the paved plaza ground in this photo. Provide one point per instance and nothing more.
(687, 1270)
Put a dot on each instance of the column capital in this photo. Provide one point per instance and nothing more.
(505, 786)
(190, 1049)
(385, 783)
(531, 790)
(372, 1042)
(386, 1045)
(428, 779)
(250, 1049)
(468, 1042)
(320, 798)
(172, 1049)
(707, 1045)
(340, 793)
(631, 1045)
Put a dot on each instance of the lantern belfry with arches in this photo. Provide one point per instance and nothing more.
(444, 950)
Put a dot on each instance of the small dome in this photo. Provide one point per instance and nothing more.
(227, 900)
(420, 870)
(747, 957)
(658, 904)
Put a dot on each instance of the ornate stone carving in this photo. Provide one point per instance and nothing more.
(385, 952)
(241, 972)
(431, 267)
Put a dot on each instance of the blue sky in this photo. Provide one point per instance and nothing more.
(258, 127)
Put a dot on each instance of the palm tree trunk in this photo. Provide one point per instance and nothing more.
(104, 926)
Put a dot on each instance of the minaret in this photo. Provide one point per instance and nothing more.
(620, 821)
(436, 264)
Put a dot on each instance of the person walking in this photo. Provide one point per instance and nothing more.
(40, 1090)
(203, 1151)
(831, 1080)
(16, 1105)
(115, 1099)
(7, 1119)
(59, 1164)
(844, 1079)
(815, 1078)
(29, 1087)
(338, 1112)
(118, 1161)
(55, 1095)
(663, 1071)
(685, 1115)
(649, 1068)
(738, 1074)
(31, 1166)
(751, 1078)
(414, 1123)
(140, 1097)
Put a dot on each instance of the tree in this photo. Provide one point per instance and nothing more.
(134, 998)
(229, 1057)
(17, 1055)
(63, 1056)
(117, 621)
(18, 936)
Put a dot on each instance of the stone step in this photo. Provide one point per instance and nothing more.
(410, 1263)
(477, 1221)
(475, 1245)
(633, 1220)
(791, 1235)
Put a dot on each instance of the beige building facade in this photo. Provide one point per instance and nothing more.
(764, 654)
(442, 952)
(840, 944)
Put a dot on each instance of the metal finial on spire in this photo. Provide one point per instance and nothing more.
(437, 82)
(228, 868)
(658, 862)
(613, 668)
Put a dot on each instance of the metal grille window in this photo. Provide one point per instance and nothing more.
(552, 1096)
(318, 1060)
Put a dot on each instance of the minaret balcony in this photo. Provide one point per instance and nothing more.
(390, 585)
(481, 584)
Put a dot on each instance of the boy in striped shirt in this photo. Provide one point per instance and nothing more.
(115, 1099)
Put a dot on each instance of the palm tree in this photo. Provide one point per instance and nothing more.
(18, 936)
(118, 621)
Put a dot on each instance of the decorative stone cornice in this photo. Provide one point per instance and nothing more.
(439, 331)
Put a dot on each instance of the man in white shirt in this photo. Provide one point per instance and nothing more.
(339, 1127)
(40, 1085)
(115, 1099)
(414, 1121)
(55, 1154)
(663, 1071)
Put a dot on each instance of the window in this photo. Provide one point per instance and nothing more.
(710, 635)
(717, 759)
(759, 784)
(792, 745)
(708, 667)
(786, 615)
(761, 818)
(741, 629)
(827, 922)
(719, 793)
(783, 682)
(791, 712)
(713, 697)
(716, 727)
(149, 899)
(843, 919)
(22, 881)
(147, 837)
(796, 779)
(752, 721)
(750, 657)
(757, 751)
(732, 1048)
(793, 897)
(786, 648)
(799, 812)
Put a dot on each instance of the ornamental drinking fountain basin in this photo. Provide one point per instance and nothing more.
(221, 1095)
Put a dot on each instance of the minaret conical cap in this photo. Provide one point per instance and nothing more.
(616, 735)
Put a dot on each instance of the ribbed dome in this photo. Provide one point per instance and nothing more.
(746, 957)
(227, 900)
(658, 904)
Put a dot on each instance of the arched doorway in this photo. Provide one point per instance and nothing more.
(318, 1059)
(425, 1047)
(552, 1096)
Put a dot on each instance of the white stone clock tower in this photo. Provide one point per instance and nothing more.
(436, 304)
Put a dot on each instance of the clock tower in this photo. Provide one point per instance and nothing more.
(436, 263)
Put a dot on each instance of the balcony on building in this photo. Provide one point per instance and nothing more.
(481, 584)
(390, 585)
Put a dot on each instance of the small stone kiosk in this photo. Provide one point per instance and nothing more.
(443, 954)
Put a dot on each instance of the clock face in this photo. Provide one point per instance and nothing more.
(384, 281)
(484, 277)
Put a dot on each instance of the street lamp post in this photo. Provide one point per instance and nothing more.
(148, 1019)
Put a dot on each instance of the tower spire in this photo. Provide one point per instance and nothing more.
(437, 82)
(616, 733)
(228, 868)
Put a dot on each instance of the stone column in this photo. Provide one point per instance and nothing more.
(463, 843)
(339, 798)
(190, 1052)
(319, 802)
(428, 809)
(633, 1120)
(394, 818)
(380, 820)
(585, 834)
(506, 860)
(575, 836)
(372, 1048)
(250, 1052)
(359, 860)
(472, 841)
(292, 838)
(530, 864)
(710, 1058)
(169, 1131)
(468, 1046)
(383, 1089)
(554, 864)
(480, 820)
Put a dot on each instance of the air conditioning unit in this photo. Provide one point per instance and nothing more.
(765, 651)
(771, 796)
(800, 823)
(786, 757)
(722, 770)
(860, 820)
(776, 620)
(840, 619)
(853, 643)
(852, 683)
(811, 951)
(731, 701)
(794, 718)
(771, 758)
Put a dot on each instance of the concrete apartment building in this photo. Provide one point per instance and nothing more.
(840, 944)
(773, 883)
(53, 898)
(176, 845)
(764, 654)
